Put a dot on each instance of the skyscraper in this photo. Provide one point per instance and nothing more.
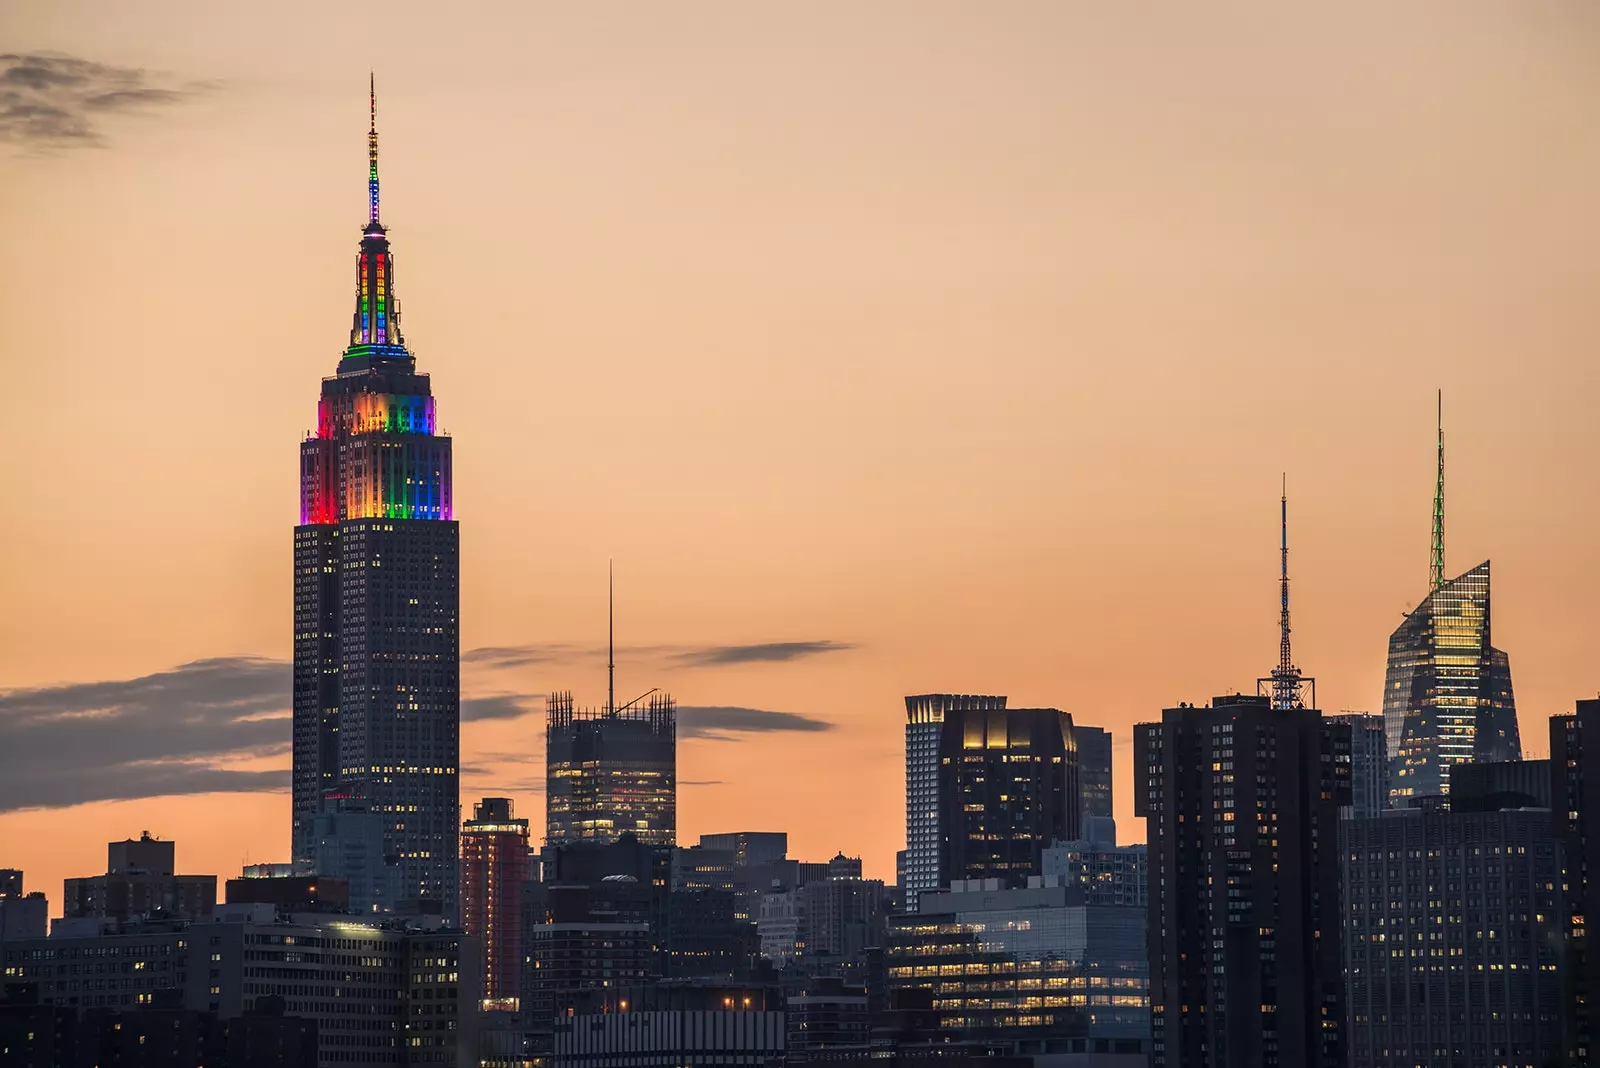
(376, 603)
(1575, 801)
(1369, 763)
(1447, 695)
(1094, 775)
(987, 789)
(1242, 805)
(611, 771)
(494, 865)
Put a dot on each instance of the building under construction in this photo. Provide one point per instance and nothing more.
(611, 771)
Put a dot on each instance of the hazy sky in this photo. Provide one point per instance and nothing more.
(888, 347)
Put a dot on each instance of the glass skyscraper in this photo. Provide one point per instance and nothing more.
(1447, 693)
(377, 695)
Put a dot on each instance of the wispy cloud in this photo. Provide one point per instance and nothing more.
(726, 722)
(164, 733)
(50, 100)
(721, 655)
(515, 656)
(498, 706)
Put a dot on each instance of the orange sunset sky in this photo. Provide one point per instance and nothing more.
(888, 347)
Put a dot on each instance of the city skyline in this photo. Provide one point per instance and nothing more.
(792, 595)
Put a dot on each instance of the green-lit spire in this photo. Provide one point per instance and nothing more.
(1436, 578)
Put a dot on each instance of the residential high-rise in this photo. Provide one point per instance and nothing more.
(1094, 775)
(1575, 797)
(987, 789)
(1451, 938)
(494, 865)
(1242, 804)
(377, 709)
(1242, 801)
(1447, 696)
(1369, 763)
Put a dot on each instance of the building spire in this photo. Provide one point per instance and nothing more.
(611, 637)
(1286, 677)
(372, 146)
(1436, 573)
(375, 331)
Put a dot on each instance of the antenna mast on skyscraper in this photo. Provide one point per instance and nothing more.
(1436, 572)
(1284, 684)
(611, 638)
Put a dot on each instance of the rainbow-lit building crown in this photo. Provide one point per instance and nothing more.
(375, 452)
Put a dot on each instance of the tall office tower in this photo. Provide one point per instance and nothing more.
(1242, 806)
(611, 771)
(987, 789)
(377, 689)
(1242, 802)
(1447, 695)
(1094, 775)
(1369, 763)
(494, 865)
(1451, 938)
(1575, 801)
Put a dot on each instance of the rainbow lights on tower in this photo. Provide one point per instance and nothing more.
(377, 702)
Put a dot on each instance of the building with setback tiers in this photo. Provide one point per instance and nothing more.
(1447, 695)
(377, 694)
(988, 788)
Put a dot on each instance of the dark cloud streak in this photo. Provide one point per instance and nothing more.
(49, 100)
(765, 652)
(723, 722)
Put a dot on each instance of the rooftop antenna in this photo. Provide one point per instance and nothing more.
(372, 146)
(611, 638)
(1436, 574)
(1285, 679)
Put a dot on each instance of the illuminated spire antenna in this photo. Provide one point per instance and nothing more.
(611, 637)
(1436, 570)
(372, 146)
(1285, 684)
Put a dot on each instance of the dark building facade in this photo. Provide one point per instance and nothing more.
(611, 772)
(1453, 938)
(139, 881)
(988, 788)
(1575, 799)
(1447, 695)
(1094, 775)
(1500, 785)
(1242, 805)
(1369, 763)
(377, 693)
(494, 865)
(376, 995)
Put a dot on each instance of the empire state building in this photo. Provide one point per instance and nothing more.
(377, 693)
